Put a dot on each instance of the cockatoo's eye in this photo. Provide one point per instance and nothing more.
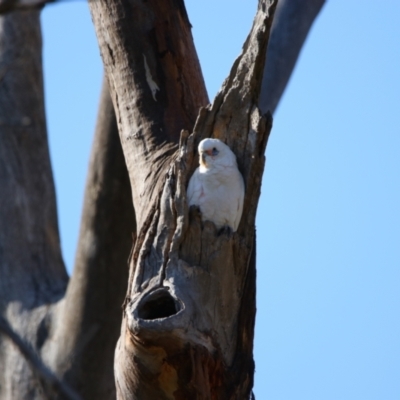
(215, 151)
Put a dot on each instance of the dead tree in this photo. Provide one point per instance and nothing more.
(187, 327)
(188, 322)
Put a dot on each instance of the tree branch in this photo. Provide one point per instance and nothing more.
(155, 82)
(31, 267)
(89, 322)
(7, 6)
(189, 321)
(36, 363)
(293, 20)
(33, 276)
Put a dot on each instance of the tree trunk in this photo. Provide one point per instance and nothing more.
(89, 318)
(74, 332)
(188, 323)
(189, 316)
(33, 277)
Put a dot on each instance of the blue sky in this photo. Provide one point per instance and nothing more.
(328, 222)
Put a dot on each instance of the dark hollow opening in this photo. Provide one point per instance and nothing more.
(158, 305)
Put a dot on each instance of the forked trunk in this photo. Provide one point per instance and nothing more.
(188, 325)
(189, 315)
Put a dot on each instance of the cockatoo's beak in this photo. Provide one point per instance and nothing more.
(210, 153)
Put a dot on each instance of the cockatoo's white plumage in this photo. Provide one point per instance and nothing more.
(217, 185)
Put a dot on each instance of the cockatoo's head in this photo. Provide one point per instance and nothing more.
(215, 153)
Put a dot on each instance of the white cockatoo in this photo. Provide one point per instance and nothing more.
(217, 186)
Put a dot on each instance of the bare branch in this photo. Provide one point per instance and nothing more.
(33, 276)
(89, 322)
(7, 6)
(31, 267)
(189, 322)
(293, 20)
(36, 363)
(155, 83)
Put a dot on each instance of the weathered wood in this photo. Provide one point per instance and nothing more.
(32, 273)
(47, 378)
(76, 335)
(89, 319)
(185, 332)
(292, 22)
(189, 316)
(7, 6)
(155, 83)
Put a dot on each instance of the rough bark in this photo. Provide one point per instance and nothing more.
(75, 335)
(155, 82)
(292, 22)
(7, 6)
(33, 277)
(181, 342)
(89, 318)
(187, 332)
(43, 373)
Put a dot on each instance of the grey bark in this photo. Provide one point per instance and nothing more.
(32, 273)
(75, 331)
(148, 48)
(75, 335)
(292, 22)
(43, 373)
(7, 6)
(89, 318)
(184, 333)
